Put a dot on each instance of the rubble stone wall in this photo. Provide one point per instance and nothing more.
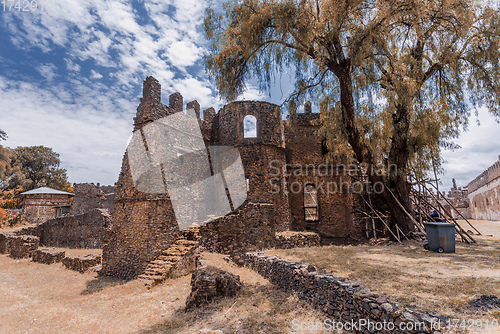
(143, 224)
(79, 231)
(22, 246)
(292, 239)
(89, 196)
(341, 300)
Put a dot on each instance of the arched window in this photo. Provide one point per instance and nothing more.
(310, 203)
(250, 127)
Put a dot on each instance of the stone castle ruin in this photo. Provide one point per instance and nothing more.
(484, 194)
(286, 173)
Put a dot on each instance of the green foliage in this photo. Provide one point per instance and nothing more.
(31, 167)
(395, 79)
(3, 135)
(10, 170)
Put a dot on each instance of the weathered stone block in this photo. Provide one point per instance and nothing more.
(82, 263)
(210, 283)
(22, 246)
(4, 242)
(292, 239)
(47, 256)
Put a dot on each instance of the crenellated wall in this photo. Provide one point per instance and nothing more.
(145, 224)
(484, 194)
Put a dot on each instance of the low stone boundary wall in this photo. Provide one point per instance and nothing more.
(80, 231)
(345, 303)
(4, 242)
(47, 256)
(82, 263)
(22, 246)
(292, 239)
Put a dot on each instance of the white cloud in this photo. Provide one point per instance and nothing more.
(71, 66)
(95, 75)
(251, 94)
(480, 149)
(90, 140)
(47, 71)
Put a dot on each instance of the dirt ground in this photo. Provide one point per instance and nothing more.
(38, 298)
(416, 277)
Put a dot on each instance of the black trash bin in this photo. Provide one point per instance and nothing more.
(440, 237)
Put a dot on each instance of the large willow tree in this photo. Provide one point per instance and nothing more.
(395, 79)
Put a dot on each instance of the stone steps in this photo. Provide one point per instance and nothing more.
(161, 267)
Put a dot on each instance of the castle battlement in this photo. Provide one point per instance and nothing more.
(490, 174)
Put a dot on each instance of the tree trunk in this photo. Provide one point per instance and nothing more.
(398, 156)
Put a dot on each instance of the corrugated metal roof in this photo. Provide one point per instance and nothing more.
(45, 190)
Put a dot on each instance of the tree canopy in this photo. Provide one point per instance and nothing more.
(31, 167)
(395, 79)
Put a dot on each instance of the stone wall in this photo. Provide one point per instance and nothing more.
(143, 224)
(22, 246)
(341, 300)
(4, 242)
(82, 263)
(89, 196)
(484, 194)
(251, 227)
(309, 164)
(79, 231)
(292, 239)
(47, 256)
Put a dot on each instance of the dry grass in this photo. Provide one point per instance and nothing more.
(37, 298)
(258, 308)
(414, 276)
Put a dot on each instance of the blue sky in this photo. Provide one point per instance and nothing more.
(71, 78)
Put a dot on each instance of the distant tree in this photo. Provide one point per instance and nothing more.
(11, 175)
(454, 184)
(395, 79)
(40, 166)
(3, 135)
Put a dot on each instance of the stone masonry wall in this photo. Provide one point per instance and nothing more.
(292, 239)
(484, 194)
(89, 196)
(143, 224)
(80, 231)
(344, 302)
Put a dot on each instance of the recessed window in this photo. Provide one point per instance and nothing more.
(250, 127)
(310, 203)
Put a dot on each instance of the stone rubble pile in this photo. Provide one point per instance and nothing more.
(210, 283)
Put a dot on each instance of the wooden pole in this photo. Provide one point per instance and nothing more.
(383, 221)
(454, 221)
(403, 208)
(451, 205)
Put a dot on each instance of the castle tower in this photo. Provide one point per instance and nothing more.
(143, 223)
(256, 130)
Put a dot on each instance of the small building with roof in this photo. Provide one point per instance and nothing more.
(43, 203)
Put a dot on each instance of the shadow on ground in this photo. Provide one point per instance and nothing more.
(102, 282)
(255, 309)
